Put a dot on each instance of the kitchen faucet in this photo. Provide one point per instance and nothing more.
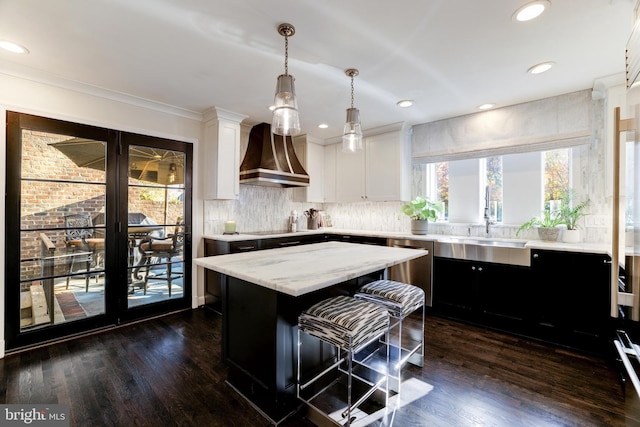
(487, 217)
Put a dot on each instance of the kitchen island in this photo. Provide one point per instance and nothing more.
(263, 293)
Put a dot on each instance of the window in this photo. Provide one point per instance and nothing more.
(431, 180)
(520, 185)
(494, 182)
(556, 177)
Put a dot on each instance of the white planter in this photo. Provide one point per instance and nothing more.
(571, 236)
(419, 226)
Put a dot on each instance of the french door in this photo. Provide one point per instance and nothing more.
(158, 203)
(97, 227)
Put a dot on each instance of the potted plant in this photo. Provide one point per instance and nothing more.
(547, 225)
(571, 215)
(421, 211)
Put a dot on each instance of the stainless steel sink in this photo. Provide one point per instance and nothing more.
(511, 252)
(487, 242)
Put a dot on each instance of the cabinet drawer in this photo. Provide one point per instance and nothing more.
(244, 246)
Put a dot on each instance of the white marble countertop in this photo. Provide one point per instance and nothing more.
(298, 270)
(532, 244)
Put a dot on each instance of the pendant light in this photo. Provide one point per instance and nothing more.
(285, 106)
(352, 136)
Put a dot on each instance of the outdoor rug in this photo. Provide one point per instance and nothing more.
(70, 307)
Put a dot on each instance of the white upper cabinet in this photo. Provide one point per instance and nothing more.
(330, 172)
(381, 172)
(221, 148)
(350, 176)
(311, 155)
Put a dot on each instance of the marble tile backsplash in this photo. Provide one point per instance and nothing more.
(258, 208)
(262, 208)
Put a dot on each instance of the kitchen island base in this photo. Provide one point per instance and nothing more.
(264, 292)
(259, 329)
(326, 409)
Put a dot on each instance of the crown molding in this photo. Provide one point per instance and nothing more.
(48, 79)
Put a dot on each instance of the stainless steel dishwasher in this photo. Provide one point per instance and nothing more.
(415, 272)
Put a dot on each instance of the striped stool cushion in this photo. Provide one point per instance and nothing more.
(400, 299)
(341, 319)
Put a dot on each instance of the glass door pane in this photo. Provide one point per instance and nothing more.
(62, 245)
(99, 221)
(156, 225)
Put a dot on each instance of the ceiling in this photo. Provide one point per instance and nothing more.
(449, 56)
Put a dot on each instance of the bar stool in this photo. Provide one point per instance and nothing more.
(401, 300)
(349, 325)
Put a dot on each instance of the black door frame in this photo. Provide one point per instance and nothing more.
(125, 141)
(116, 238)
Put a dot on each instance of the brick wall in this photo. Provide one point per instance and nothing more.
(45, 204)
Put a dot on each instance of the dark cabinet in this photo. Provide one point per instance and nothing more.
(243, 246)
(212, 281)
(481, 292)
(283, 242)
(573, 296)
(365, 240)
(504, 293)
(563, 298)
(454, 288)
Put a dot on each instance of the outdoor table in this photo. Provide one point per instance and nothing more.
(136, 233)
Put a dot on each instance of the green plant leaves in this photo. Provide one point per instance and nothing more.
(422, 208)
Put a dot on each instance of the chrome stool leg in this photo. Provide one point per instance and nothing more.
(350, 326)
(401, 300)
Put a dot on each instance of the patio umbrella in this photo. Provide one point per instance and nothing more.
(148, 164)
(145, 163)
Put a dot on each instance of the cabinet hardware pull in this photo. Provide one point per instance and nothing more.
(289, 243)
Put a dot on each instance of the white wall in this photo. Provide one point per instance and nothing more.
(87, 105)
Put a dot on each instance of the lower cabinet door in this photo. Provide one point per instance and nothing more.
(454, 288)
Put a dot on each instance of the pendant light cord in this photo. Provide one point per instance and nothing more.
(286, 31)
(286, 55)
(351, 90)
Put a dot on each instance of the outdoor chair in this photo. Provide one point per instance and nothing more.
(157, 251)
(80, 237)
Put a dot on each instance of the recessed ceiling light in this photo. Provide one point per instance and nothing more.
(323, 125)
(13, 47)
(541, 68)
(485, 106)
(405, 103)
(530, 10)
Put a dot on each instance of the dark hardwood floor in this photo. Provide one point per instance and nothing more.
(168, 371)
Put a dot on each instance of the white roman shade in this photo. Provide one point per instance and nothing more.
(551, 123)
